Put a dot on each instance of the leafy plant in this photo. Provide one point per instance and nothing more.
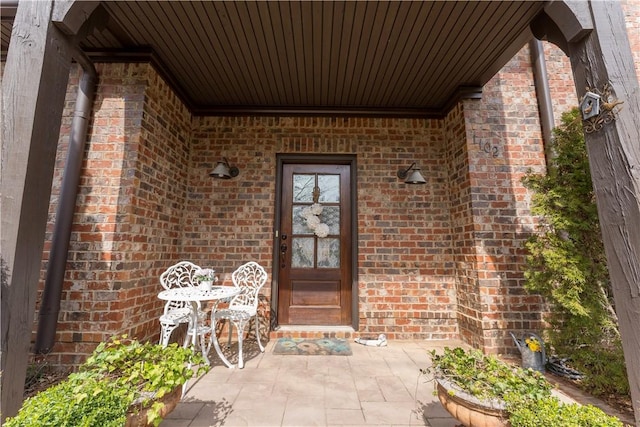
(78, 401)
(120, 373)
(551, 412)
(485, 376)
(525, 392)
(566, 264)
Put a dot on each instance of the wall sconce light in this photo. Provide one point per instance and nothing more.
(224, 171)
(411, 175)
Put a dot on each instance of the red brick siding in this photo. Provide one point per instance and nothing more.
(463, 245)
(503, 141)
(128, 221)
(435, 261)
(631, 9)
(404, 272)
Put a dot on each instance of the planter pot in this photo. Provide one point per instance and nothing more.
(206, 285)
(469, 410)
(137, 416)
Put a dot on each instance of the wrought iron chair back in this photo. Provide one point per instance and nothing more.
(179, 275)
(175, 313)
(249, 277)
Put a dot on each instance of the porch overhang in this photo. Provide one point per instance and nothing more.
(388, 58)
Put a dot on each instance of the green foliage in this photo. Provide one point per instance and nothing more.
(485, 377)
(566, 262)
(119, 373)
(79, 401)
(143, 366)
(551, 412)
(607, 373)
(525, 392)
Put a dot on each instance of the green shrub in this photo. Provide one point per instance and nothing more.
(566, 264)
(117, 374)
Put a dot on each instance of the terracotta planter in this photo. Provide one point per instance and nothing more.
(137, 416)
(469, 410)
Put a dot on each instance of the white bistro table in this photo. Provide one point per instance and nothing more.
(195, 295)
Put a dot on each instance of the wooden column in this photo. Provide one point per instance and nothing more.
(33, 91)
(602, 59)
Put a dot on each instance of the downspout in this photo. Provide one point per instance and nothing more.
(543, 94)
(50, 307)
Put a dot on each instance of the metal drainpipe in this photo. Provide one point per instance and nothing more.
(543, 94)
(50, 307)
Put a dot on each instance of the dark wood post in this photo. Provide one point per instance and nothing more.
(596, 40)
(33, 90)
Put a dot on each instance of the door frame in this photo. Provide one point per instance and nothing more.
(340, 159)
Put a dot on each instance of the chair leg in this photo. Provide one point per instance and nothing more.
(230, 333)
(240, 328)
(216, 344)
(165, 333)
(187, 338)
(256, 320)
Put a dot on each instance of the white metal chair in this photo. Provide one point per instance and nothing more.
(180, 275)
(250, 277)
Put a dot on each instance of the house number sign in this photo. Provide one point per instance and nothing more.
(487, 147)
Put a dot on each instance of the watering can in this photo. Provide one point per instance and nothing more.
(532, 351)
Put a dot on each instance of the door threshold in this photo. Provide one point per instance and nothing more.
(312, 331)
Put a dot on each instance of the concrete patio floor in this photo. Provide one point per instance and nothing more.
(376, 386)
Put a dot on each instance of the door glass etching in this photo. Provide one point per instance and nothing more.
(331, 217)
(299, 225)
(329, 253)
(329, 188)
(308, 250)
(303, 188)
(302, 255)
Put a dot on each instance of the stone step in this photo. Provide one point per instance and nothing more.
(345, 332)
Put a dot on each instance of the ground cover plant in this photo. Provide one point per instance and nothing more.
(120, 373)
(566, 264)
(526, 393)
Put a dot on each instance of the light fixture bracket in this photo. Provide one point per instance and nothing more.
(403, 173)
(224, 171)
(414, 178)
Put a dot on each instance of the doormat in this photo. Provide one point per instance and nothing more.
(311, 347)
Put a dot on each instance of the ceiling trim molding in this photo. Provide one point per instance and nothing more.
(318, 111)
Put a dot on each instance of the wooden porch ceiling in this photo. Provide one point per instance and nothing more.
(402, 58)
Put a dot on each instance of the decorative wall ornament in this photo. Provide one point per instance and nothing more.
(598, 108)
(312, 215)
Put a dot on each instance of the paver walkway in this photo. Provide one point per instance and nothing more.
(376, 386)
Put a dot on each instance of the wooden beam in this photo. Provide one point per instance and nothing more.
(70, 16)
(603, 59)
(575, 17)
(33, 90)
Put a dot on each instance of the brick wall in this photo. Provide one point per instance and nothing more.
(436, 261)
(631, 10)
(404, 266)
(500, 142)
(130, 202)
